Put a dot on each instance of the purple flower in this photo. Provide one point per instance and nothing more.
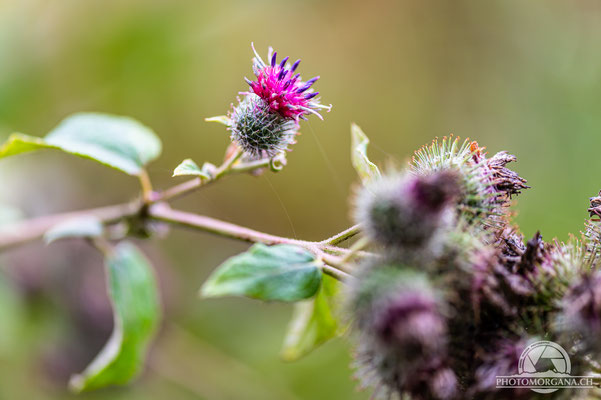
(282, 89)
(265, 121)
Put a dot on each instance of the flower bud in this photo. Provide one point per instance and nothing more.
(401, 328)
(405, 211)
(409, 318)
(259, 131)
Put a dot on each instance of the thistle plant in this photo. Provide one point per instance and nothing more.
(439, 292)
(266, 121)
(494, 293)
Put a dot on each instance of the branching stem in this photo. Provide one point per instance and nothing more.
(154, 206)
(336, 273)
(162, 212)
(342, 236)
(22, 232)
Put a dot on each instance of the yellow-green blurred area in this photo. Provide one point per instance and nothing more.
(514, 75)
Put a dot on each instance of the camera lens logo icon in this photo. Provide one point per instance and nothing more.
(544, 359)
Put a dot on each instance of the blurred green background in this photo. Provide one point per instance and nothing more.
(518, 76)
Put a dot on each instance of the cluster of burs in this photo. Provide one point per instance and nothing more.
(455, 293)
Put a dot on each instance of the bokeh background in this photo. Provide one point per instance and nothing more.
(514, 75)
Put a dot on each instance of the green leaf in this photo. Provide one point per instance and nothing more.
(133, 292)
(281, 272)
(189, 167)
(314, 321)
(118, 142)
(366, 169)
(87, 226)
(222, 119)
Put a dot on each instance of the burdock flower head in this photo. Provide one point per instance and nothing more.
(403, 212)
(487, 185)
(581, 311)
(402, 331)
(282, 90)
(266, 120)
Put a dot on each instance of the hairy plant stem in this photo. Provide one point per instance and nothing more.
(342, 236)
(354, 250)
(22, 232)
(336, 273)
(162, 212)
(154, 206)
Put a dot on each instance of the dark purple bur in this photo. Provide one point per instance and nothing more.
(434, 191)
(582, 304)
(434, 381)
(411, 321)
(501, 361)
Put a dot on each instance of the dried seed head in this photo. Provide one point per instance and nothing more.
(595, 208)
(505, 180)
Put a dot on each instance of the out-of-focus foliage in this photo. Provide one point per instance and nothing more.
(314, 321)
(133, 292)
(365, 168)
(519, 76)
(118, 142)
(84, 226)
